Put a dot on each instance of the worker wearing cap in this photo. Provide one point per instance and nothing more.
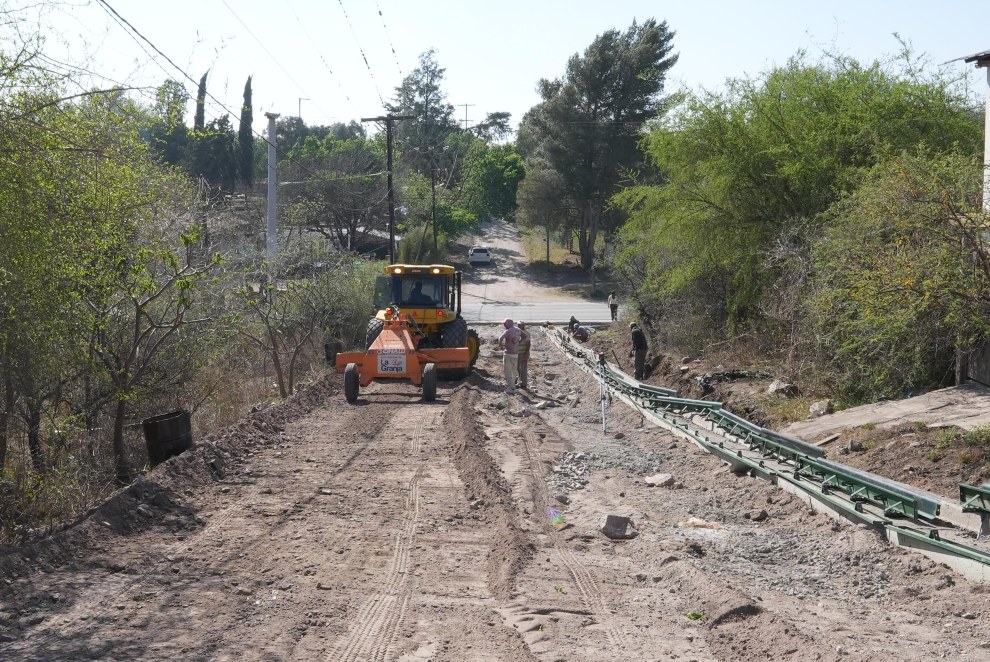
(523, 353)
(638, 349)
(509, 343)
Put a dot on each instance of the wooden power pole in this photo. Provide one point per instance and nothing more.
(389, 120)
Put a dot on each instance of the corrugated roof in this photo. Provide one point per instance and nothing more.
(981, 59)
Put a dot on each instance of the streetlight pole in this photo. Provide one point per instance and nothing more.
(299, 109)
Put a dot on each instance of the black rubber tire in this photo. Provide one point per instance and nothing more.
(474, 345)
(351, 382)
(375, 327)
(455, 334)
(430, 382)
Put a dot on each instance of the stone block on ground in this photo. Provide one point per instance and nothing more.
(617, 527)
(660, 480)
(780, 387)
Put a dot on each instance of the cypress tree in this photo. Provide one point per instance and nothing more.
(245, 138)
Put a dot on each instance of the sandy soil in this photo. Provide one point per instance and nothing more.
(467, 529)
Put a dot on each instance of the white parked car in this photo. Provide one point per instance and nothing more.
(479, 255)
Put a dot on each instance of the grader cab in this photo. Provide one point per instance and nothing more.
(417, 331)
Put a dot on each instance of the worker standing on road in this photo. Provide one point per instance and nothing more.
(509, 343)
(613, 305)
(638, 348)
(523, 352)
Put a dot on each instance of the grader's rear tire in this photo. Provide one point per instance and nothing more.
(375, 327)
(455, 334)
(474, 348)
(430, 382)
(351, 382)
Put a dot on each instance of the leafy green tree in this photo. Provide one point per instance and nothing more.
(289, 317)
(290, 133)
(138, 323)
(744, 176)
(340, 189)
(543, 201)
(494, 127)
(422, 96)
(589, 122)
(245, 138)
(492, 175)
(215, 154)
(901, 277)
(169, 136)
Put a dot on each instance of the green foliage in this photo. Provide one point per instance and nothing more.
(421, 95)
(493, 173)
(245, 138)
(722, 233)
(589, 122)
(344, 190)
(978, 437)
(895, 287)
(215, 154)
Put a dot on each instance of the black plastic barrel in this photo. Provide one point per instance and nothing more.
(167, 435)
(331, 350)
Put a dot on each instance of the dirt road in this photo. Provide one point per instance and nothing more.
(467, 530)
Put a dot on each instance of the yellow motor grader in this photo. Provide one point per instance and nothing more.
(417, 331)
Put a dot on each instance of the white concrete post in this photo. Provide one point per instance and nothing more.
(986, 149)
(272, 237)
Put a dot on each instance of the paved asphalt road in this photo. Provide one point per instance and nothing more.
(537, 312)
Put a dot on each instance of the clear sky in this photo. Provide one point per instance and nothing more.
(338, 60)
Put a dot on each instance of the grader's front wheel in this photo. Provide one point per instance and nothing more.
(351, 382)
(430, 382)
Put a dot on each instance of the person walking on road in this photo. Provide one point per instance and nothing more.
(522, 350)
(638, 349)
(613, 305)
(508, 342)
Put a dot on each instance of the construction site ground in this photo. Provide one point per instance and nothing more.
(467, 530)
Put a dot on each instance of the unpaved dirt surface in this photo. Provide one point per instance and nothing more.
(467, 530)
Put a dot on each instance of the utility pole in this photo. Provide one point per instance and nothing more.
(465, 120)
(272, 237)
(433, 194)
(389, 119)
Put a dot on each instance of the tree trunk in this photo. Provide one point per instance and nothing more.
(120, 461)
(585, 244)
(8, 410)
(548, 243)
(277, 361)
(34, 436)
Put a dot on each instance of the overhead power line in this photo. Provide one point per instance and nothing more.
(389, 38)
(302, 26)
(130, 29)
(265, 48)
(363, 56)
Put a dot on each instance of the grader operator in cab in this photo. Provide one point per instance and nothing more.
(417, 331)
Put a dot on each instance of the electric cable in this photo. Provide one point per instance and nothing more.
(268, 52)
(363, 56)
(316, 48)
(388, 37)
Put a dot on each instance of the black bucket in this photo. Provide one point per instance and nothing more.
(331, 350)
(167, 435)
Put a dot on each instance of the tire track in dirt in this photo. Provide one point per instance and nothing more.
(100, 599)
(592, 595)
(377, 621)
